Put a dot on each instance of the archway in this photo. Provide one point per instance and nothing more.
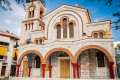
(59, 62)
(35, 61)
(89, 61)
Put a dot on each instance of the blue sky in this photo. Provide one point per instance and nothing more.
(11, 20)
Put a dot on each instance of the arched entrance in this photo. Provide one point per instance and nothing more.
(35, 59)
(94, 61)
(59, 62)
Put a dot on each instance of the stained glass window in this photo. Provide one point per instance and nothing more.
(95, 35)
(71, 30)
(58, 32)
(64, 28)
(101, 35)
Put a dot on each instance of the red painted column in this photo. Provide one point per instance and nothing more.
(74, 70)
(78, 72)
(43, 70)
(18, 66)
(111, 70)
(29, 71)
(50, 71)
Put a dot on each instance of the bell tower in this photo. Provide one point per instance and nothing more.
(33, 25)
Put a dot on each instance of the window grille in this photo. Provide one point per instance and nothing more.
(64, 28)
(101, 35)
(95, 35)
(71, 30)
(58, 32)
(40, 41)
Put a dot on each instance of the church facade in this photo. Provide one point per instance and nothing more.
(64, 44)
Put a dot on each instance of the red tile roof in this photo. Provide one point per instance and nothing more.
(7, 34)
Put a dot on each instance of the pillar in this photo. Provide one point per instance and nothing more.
(43, 70)
(74, 70)
(111, 70)
(29, 71)
(78, 72)
(50, 71)
(18, 66)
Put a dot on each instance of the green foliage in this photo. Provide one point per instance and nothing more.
(6, 4)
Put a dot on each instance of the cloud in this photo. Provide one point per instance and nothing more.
(7, 21)
(96, 20)
(18, 10)
(115, 43)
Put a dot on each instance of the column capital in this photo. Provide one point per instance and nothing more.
(50, 66)
(30, 66)
(74, 64)
(18, 65)
(44, 64)
(111, 63)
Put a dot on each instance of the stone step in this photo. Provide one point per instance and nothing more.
(26, 78)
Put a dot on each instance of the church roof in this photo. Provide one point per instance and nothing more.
(86, 10)
(7, 34)
(67, 5)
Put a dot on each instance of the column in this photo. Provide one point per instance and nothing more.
(74, 70)
(18, 66)
(50, 71)
(43, 70)
(111, 70)
(29, 71)
(78, 72)
(50, 67)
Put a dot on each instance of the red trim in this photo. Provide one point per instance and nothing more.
(50, 71)
(111, 70)
(18, 66)
(3, 33)
(78, 72)
(29, 71)
(43, 70)
(74, 70)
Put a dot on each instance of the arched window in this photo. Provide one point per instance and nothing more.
(29, 26)
(40, 41)
(100, 59)
(29, 15)
(26, 27)
(41, 13)
(71, 30)
(95, 35)
(27, 41)
(36, 41)
(37, 61)
(64, 28)
(58, 31)
(100, 35)
(31, 12)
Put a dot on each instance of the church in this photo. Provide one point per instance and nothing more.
(64, 43)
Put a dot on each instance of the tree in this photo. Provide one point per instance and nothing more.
(6, 4)
(118, 64)
(116, 14)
